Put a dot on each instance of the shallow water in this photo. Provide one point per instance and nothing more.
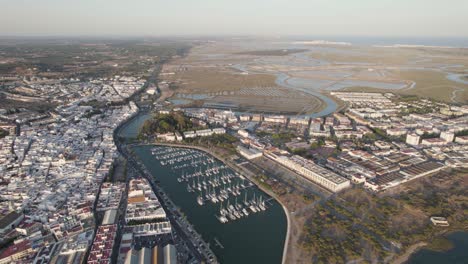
(457, 255)
(457, 78)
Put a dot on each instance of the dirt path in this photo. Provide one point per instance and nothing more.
(453, 98)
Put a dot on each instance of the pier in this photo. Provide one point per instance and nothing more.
(212, 181)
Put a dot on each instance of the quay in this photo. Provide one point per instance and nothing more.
(197, 245)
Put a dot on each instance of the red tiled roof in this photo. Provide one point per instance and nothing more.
(16, 248)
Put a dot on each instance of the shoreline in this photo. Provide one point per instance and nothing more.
(274, 196)
(409, 252)
(421, 245)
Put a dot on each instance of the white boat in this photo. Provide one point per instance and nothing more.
(246, 213)
(252, 207)
(189, 188)
(222, 219)
(200, 200)
(246, 203)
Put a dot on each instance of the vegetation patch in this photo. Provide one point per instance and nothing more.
(224, 141)
(440, 244)
(277, 52)
(356, 224)
(166, 123)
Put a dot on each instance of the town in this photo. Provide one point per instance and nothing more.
(64, 195)
(378, 141)
(73, 191)
(233, 132)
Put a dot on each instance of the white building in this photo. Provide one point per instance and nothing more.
(167, 137)
(311, 171)
(243, 133)
(244, 118)
(219, 130)
(439, 221)
(447, 136)
(462, 139)
(396, 132)
(299, 121)
(412, 139)
(142, 203)
(204, 132)
(249, 153)
(275, 119)
(190, 134)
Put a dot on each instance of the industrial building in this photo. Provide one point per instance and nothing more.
(155, 255)
(311, 171)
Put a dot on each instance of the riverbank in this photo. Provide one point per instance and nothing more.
(409, 252)
(426, 249)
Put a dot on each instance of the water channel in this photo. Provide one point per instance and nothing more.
(257, 238)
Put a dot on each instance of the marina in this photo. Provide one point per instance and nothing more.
(212, 182)
(241, 223)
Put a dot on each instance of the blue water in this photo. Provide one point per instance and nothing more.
(258, 238)
(132, 128)
(331, 106)
(457, 255)
(457, 78)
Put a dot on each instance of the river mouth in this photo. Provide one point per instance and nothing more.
(256, 238)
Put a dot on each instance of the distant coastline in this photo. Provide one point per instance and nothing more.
(452, 42)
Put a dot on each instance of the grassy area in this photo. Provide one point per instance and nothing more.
(277, 52)
(359, 225)
(218, 141)
(366, 55)
(211, 80)
(440, 244)
(462, 133)
(432, 84)
(282, 138)
(396, 56)
(429, 84)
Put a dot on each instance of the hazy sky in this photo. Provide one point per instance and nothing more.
(235, 17)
